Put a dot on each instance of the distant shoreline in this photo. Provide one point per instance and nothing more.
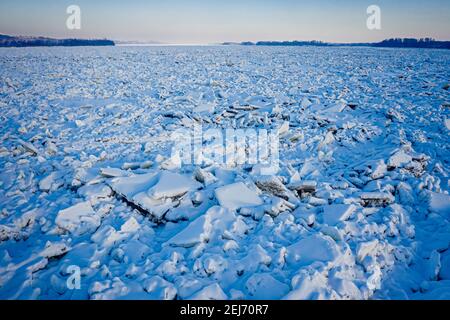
(12, 41)
(21, 41)
(426, 43)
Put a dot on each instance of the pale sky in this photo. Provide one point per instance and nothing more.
(211, 21)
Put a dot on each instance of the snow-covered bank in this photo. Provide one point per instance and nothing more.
(358, 209)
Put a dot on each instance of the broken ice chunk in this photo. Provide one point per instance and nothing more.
(433, 266)
(378, 170)
(95, 192)
(439, 203)
(146, 164)
(328, 139)
(134, 250)
(28, 146)
(7, 233)
(395, 115)
(130, 186)
(284, 128)
(336, 108)
(171, 185)
(130, 226)
(374, 281)
(172, 163)
(86, 176)
(399, 159)
(314, 201)
(113, 172)
(303, 188)
(206, 227)
(311, 249)
(307, 217)
(160, 289)
(376, 199)
(107, 236)
(405, 193)
(277, 206)
(204, 108)
(327, 110)
(335, 213)
(261, 169)
(262, 286)
(373, 186)
(305, 103)
(51, 182)
(309, 285)
(131, 165)
(195, 233)
(333, 232)
(237, 195)
(272, 185)
(154, 193)
(204, 176)
(156, 207)
(78, 219)
(54, 250)
(211, 292)
(340, 185)
(365, 249)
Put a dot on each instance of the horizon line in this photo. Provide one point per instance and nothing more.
(161, 43)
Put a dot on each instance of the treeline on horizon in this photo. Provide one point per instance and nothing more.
(388, 43)
(10, 41)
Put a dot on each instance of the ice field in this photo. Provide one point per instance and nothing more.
(93, 204)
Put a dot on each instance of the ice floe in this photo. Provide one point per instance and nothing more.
(236, 196)
(78, 219)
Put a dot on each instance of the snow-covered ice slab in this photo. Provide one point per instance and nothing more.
(376, 198)
(205, 228)
(440, 203)
(312, 249)
(113, 172)
(205, 108)
(211, 292)
(237, 195)
(171, 185)
(128, 187)
(336, 213)
(262, 286)
(154, 192)
(78, 219)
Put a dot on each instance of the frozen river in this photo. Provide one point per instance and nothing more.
(94, 204)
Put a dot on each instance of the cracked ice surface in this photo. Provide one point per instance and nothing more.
(358, 208)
